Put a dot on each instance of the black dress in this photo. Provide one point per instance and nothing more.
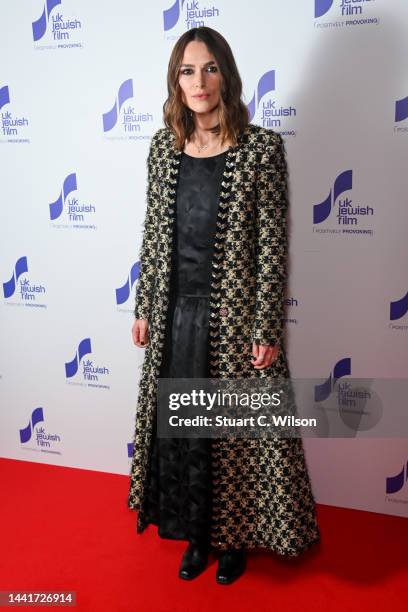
(179, 484)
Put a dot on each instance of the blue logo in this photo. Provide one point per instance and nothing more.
(342, 368)
(350, 12)
(40, 26)
(321, 7)
(348, 215)
(132, 121)
(123, 293)
(393, 484)
(37, 416)
(43, 440)
(68, 186)
(75, 210)
(91, 374)
(399, 309)
(130, 449)
(195, 16)
(60, 29)
(84, 348)
(27, 292)
(401, 109)
(344, 182)
(347, 8)
(271, 113)
(11, 127)
(4, 96)
(265, 84)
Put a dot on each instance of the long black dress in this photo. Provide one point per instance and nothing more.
(179, 485)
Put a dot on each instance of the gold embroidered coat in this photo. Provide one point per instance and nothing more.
(262, 494)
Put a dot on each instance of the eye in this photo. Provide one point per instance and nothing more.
(187, 71)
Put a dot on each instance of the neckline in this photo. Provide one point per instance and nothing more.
(208, 157)
(233, 149)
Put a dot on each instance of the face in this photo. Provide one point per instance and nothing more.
(199, 74)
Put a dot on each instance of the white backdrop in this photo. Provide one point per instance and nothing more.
(82, 86)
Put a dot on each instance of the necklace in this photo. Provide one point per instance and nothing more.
(201, 147)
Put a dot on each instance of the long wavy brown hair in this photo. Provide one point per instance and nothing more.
(233, 113)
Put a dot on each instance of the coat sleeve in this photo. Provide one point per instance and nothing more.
(147, 256)
(271, 243)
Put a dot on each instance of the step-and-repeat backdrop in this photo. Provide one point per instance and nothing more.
(82, 86)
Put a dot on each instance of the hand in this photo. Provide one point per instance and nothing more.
(264, 355)
(140, 332)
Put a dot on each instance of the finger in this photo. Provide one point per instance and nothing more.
(261, 349)
(265, 358)
(260, 361)
(144, 335)
(262, 367)
(139, 335)
(263, 362)
(262, 352)
(271, 353)
(275, 352)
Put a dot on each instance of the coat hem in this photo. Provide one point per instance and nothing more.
(221, 546)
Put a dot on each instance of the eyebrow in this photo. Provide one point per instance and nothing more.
(192, 65)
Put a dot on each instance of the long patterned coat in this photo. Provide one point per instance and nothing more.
(262, 494)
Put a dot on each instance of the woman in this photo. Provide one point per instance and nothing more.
(209, 303)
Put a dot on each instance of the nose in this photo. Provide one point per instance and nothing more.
(199, 80)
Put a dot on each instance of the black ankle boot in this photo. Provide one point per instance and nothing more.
(194, 561)
(231, 565)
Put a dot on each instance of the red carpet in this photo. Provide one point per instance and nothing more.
(69, 529)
